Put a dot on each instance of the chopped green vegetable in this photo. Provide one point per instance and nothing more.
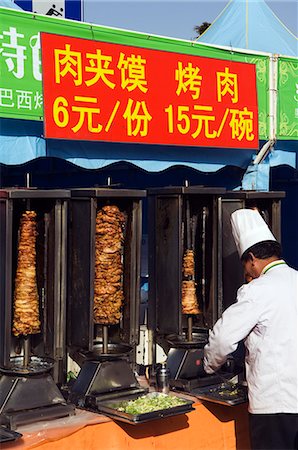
(70, 376)
(229, 393)
(227, 390)
(148, 403)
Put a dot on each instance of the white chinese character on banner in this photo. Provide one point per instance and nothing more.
(15, 58)
(6, 96)
(36, 56)
(38, 100)
(24, 99)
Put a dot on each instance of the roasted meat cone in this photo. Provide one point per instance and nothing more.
(108, 287)
(189, 298)
(189, 263)
(26, 303)
(189, 295)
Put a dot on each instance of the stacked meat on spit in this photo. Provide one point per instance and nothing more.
(189, 263)
(189, 296)
(108, 288)
(26, 304)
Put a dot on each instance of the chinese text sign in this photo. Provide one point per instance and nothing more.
(111, 92)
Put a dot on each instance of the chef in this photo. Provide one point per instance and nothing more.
(265, 316)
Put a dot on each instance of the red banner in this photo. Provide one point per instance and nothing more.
(110, 92)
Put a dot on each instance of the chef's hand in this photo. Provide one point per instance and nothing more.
(206, 370)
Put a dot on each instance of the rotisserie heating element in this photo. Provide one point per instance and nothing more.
(26, 303)
(108, 286)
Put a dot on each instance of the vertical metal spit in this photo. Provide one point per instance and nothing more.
(105, 330)
(105, 338)
(26, 351)
(189, 245)
(26, 339)
(204, 222)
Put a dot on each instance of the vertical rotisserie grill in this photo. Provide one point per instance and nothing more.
(104, 285)
(184, 248)
(33, 238)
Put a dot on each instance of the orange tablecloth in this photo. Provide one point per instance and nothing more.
(210, 426)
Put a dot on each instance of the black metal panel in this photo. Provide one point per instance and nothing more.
(80, 288)
(129, 330)
(168, 264)
(132, 270)
(232, 271)
(186, 190)
(104, 377)
(5, 280)
(18, 393)
(108, 192)
(248, 195)
(32, 193)
(152, 312)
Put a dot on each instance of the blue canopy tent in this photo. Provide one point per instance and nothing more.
(253, 25)
(9, 4)
(250, 25)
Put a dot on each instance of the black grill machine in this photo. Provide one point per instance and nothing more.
(104, 347)
(102, 339)
(197, 219)
(33, 231)
(183, 221)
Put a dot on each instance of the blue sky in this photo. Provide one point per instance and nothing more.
(172, 18)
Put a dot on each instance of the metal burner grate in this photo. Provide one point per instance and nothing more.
(36, 365)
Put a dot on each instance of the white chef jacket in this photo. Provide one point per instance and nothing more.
(266, 316)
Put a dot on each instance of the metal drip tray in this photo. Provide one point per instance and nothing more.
(97, 354)
(223, 393)
(199, 339)
(37, 365)
(116, 408)
(115, 350)
(7, 435)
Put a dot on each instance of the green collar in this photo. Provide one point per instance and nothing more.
(273, 264)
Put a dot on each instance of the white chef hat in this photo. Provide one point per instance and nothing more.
(249, 228)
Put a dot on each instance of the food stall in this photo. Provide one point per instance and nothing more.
(94, 118)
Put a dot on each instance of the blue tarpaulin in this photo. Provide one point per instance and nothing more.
(21, 141)
(9, 4)
(251, 24)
